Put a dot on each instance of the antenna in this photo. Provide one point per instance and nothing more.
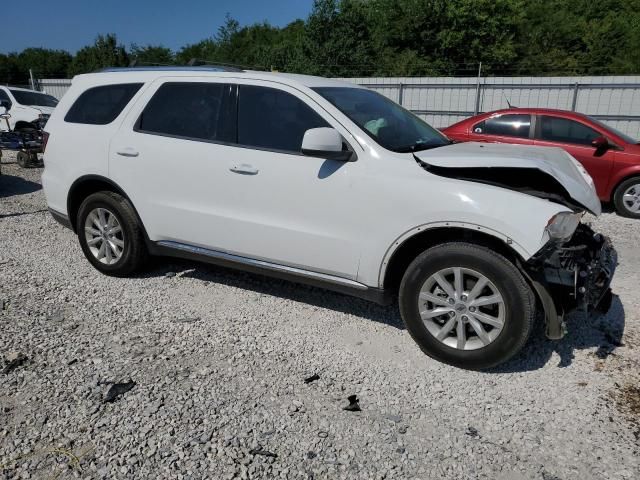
(508, 102)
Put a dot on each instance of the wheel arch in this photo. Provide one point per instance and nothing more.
(84, 186)
(409, 245)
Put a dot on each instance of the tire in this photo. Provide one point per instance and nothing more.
(511, 318)
(128, 239)
(23, 159)
(628, 206)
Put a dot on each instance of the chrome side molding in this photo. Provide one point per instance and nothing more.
(251, 262)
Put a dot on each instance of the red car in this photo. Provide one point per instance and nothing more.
(611, 157)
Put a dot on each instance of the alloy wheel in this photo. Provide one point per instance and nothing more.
(104, 236)
(631, 198)
(461, 308)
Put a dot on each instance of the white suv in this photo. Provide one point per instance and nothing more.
(27, 106)
(331, 184)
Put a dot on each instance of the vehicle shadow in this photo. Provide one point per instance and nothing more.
(11, 185)
(318, 297)
(584, 332)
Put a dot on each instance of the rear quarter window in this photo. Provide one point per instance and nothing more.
(101, 105)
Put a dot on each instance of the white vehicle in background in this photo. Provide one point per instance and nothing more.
(25, 107)
(328, 183)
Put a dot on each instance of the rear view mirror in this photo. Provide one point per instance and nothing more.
(600, 143)
(324, 142)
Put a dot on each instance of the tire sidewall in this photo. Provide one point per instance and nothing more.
(100, 200)
(517, 307)
(618, 201)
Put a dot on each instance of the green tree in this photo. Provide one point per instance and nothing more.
(105, 52)
(151, 55)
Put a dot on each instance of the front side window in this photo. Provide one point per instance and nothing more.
(272, 119)
(563, 130)
(101, 105)
(390, 125)
(200, 111)
(34, 99)
(517, 125)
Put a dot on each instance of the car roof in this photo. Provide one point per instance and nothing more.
(533, 110)
(138, 74)
(22, 89)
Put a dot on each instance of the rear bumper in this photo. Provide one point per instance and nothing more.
(575, 275)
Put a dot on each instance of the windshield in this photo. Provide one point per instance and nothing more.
(615, 131)
(25, 97)
(389, 124)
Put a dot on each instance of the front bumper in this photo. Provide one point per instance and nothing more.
(576, 274)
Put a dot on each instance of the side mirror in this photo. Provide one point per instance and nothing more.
(326, 143)
(6, 104)
(600, 143)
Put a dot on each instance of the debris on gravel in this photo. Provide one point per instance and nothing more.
(209, 392)
(13, 360)
(354, 404)
(312, 378)
(117, 390)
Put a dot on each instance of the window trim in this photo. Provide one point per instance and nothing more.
(122, 110)
(236, 91)
(532, 126)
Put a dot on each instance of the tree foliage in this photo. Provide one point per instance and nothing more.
(393, 37)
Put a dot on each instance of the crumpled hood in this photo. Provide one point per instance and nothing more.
(473, 159)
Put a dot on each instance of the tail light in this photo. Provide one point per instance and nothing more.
(45, 139)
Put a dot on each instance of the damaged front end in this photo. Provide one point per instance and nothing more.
(572, 274)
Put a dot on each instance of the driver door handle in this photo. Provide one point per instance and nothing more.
(244, 168)
(127, 152)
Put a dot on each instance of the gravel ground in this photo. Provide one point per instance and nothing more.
(218, 361)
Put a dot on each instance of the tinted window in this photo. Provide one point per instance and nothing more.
(200, 111)
(25, 97)
(101, 105)
(385, 121)
(557, 129)
(273, 119)
(505, 125)
(4, 96)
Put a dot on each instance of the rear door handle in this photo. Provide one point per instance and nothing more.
(127, 152)
(245, 169)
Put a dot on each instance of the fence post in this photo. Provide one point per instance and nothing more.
(400, 93)
(477, 108)
(574, 102)
(33, 83)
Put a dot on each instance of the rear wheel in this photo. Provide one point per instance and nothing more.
(110, 234)
(466, 305)
(627, 198)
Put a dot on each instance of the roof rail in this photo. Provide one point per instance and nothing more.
(180, 68)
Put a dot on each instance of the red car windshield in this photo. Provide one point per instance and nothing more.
(615, 131)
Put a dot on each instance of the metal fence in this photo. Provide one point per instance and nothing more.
(445, 100)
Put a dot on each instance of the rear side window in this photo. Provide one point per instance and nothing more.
(505, 125)
(556, 129)
(101, 105)
(274, 120)
(199, 111)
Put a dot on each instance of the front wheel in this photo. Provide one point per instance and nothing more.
(466, 305)
(627, 198)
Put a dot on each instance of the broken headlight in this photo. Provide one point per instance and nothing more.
(562, 225)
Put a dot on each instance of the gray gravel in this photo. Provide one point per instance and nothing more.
(218, 360)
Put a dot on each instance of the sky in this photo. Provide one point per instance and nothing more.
(72, 24)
